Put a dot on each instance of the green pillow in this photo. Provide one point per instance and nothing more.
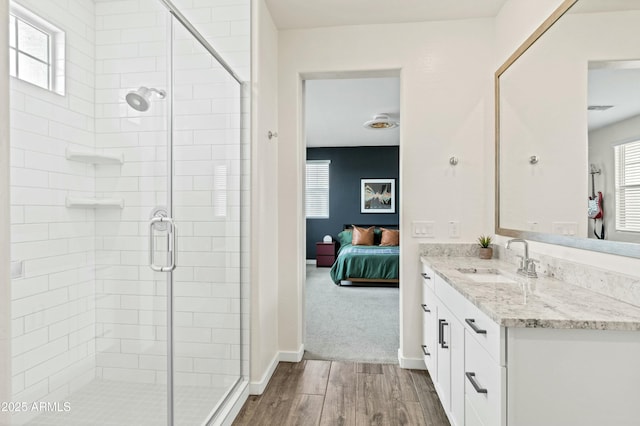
(345, 237)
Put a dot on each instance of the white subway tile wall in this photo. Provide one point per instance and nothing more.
(88, 305)
(53, 305)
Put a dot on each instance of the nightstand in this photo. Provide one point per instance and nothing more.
(325, 254)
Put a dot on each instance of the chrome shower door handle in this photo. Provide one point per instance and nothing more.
(171, 249)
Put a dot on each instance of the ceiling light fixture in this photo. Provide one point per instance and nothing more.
(381, 121)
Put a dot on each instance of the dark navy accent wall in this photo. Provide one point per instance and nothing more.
(348, 166)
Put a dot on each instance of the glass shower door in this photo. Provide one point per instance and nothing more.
(133, 118)
(206, 210)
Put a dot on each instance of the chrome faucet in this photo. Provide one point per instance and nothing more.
(527, 266)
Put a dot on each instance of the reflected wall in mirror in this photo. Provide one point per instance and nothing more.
(548, 143)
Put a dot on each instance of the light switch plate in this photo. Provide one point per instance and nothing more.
(422, 229)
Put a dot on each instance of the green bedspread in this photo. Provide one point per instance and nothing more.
(371, 262)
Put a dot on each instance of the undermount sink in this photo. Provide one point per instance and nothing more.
(486, 275)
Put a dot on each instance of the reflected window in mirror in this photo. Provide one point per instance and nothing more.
(627, 184)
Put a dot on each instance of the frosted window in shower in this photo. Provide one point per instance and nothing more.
(36, 50)
(220, 190)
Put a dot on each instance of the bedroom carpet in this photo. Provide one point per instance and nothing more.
(350, 323)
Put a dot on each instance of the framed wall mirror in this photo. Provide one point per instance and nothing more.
(568, 130)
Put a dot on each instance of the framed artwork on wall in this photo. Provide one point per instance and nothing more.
(377, 195)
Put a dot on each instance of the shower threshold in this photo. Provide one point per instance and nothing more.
(117, 403)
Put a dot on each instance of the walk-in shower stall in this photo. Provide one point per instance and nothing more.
(126, 211)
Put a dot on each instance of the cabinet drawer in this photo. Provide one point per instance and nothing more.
(482, 328)
(326, 249)
(485, 381)
(428, 276)
(325, 260)
(485, 331)
(428, 299)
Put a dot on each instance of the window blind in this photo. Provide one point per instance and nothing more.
(627, 186)
(317, 189)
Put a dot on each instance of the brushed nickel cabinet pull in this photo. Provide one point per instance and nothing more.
(472, 324)
(476, 386)
(424, 350)
(443, 343)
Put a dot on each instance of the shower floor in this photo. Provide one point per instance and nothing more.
(112, 403)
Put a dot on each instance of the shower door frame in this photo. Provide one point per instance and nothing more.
(175, 13)
(5, 252)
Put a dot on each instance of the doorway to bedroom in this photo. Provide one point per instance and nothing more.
(352, 135)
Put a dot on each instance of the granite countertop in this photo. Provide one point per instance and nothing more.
(541, 302)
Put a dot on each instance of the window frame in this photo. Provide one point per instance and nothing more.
(621, 186)
(56, 39)
(327, 192)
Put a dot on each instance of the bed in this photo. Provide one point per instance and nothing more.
(366, 263)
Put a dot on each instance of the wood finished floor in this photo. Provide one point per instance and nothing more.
(335, 393)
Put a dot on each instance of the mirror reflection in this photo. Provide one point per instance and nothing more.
(569, 128)
(614, 150)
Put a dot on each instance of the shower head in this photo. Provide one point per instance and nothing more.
(140, 99)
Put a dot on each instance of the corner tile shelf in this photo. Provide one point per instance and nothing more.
(94, 203)
(94, 157)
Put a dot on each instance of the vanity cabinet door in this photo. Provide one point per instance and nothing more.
(443, 384)
(450, 353)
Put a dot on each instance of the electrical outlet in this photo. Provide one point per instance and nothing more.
(454, 229)
(422, 229)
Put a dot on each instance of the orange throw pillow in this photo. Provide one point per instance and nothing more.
(362, 237)
(390, 237)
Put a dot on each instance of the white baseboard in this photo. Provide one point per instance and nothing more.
(257, 388)
(311, 261)
(411, 363)
(292, 356)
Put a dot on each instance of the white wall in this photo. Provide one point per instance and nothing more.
(446, 103)
(539, 119)
(53, 340)
(516, 21)
(264, 218)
